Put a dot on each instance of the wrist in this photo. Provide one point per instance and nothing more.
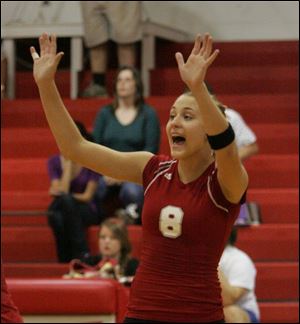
(45, 83)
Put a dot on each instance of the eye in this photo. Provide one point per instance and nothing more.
(188, 117)
(172, 116)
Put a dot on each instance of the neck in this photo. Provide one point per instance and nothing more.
(190, 169)
(126, 103)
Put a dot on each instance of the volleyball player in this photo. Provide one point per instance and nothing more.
(191, 198)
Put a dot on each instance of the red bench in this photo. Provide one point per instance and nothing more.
(268, 280)
(93, 300)
(104, 300)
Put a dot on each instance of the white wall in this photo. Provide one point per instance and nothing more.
(231, 20)
(225, 20)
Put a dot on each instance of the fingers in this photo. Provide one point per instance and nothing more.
(212, 57)
(179, 59)
(203, 50)
(47, 44)
(208, 46)
(42, 44)
(197, 45)
(58, 57)
(52, 42)
(34, 54)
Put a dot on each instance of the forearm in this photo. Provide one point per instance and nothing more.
(62, 126)
(82, 197)
(230, 294)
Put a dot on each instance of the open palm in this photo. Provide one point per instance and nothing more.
(45, 65)
(193, 71)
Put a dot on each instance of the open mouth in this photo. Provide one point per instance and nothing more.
(178, 140)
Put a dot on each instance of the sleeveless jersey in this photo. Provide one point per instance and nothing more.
(185, 229)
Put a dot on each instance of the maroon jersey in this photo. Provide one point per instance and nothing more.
(185, 229)
(9, 312)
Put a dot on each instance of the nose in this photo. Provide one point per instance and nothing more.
(175, 122)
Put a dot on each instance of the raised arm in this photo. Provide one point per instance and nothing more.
(123, 166)
(232, 176)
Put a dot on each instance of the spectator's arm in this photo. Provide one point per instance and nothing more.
(89, 192)
(62, 185)
(248, 150)
(54, 189)
(230, 294)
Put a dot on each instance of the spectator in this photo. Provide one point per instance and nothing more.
(119, 21)
(127, 125)
(245, 138)
(247, 147)
(113, 260)
(237, 277)
(191, 198)
(73, 207)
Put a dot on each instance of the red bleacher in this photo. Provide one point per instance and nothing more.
(259, 80)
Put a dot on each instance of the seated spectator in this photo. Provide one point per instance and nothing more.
(247, 146)
(73, 207)
(127, 125)
(244, 136)
(113, 260)
(237, 278)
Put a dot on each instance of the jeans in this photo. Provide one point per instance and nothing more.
(69, 219)
(130, 194)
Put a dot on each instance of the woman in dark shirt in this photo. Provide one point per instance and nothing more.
(127, 125)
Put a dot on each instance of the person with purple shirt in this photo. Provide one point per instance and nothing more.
(74, 207)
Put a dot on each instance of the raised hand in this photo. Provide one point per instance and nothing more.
(45, 65)
(193, 71)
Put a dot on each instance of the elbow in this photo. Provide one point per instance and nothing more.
(71, 150)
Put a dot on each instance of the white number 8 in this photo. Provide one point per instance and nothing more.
(170, 221)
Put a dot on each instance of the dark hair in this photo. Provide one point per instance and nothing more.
(233, 236)
(139, 88)
(119, 230)
(83, 131)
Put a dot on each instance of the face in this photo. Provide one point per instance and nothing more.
(185, 129)
(126, 86)
(109, 245)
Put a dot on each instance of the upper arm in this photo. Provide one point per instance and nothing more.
(232, 176)
(126, 166)
(91, 188)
